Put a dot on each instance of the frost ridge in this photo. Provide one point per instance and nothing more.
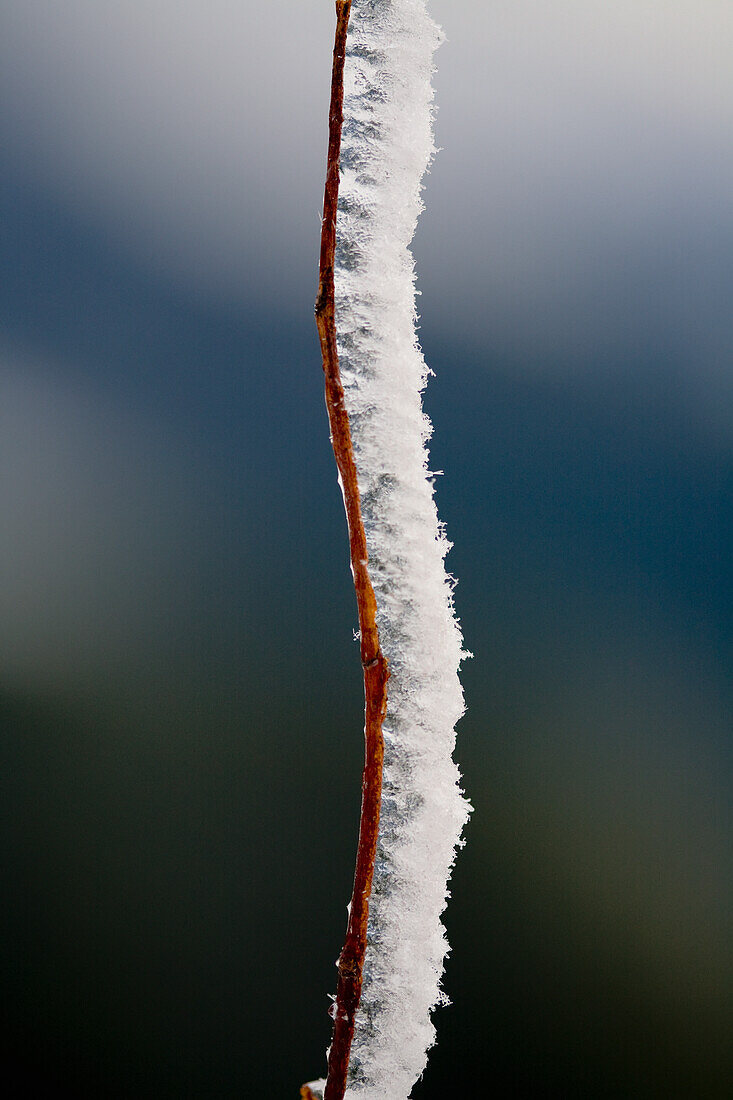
(387, 144)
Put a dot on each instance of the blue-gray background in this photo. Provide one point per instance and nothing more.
(179, 691)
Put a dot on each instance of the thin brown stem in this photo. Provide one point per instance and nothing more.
(376, 671)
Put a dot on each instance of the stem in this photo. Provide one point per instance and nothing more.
(376, 671)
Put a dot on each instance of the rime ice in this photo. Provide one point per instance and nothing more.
(387, 143)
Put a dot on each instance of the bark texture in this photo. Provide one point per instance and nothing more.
(376, 671)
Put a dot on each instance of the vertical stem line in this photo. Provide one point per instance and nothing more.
(376, 670)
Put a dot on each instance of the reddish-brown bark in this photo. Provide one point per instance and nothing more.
(376, 671)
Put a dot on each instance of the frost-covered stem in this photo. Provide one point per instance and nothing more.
(376, 672)
(413, 810)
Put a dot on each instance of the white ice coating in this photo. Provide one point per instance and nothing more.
(387, 144)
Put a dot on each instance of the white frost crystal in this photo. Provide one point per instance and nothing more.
(387, 144)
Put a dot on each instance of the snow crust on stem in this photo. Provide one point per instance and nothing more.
(387, 144)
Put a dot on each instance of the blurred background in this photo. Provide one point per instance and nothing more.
(180, 696)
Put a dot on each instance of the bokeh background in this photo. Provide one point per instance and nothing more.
(180, 695)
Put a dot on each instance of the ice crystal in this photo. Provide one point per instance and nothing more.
(387, 145)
